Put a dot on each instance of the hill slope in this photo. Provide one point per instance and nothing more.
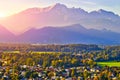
(6, 35)
(70, 34)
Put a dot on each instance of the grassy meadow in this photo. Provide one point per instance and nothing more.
(110, 64)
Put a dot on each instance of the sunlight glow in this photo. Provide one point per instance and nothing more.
(2, 14)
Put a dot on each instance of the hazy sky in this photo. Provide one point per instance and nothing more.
(8, 7)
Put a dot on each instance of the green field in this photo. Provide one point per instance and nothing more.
(110, 64)
(38, 52)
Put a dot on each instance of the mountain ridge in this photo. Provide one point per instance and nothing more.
(75, 33)
(6, 35)
(61, 15)
(69, 34)
(60, 24)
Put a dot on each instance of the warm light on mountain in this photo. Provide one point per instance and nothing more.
(60, 15)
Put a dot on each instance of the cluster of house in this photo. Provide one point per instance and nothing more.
(60, 73)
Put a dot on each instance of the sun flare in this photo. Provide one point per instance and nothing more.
(2, 14)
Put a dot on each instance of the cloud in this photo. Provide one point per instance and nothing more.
(88, 3)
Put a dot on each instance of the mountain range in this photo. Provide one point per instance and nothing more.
(48, 26)
(63, 35)
(61, 15)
